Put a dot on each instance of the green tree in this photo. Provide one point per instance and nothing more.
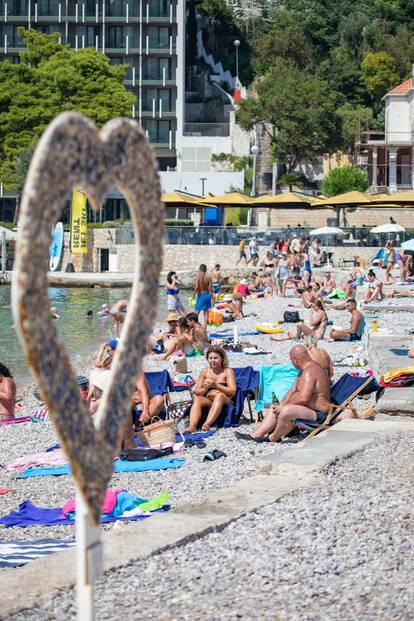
(354, 119)
(297, 109)
(344, 179)
(379, 73)
(285, 39)
(51, 79)
(291, 179)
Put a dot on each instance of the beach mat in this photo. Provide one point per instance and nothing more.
(163, 463)
(17, 553)
(28, 515)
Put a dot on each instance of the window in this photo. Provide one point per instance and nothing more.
(116, 37)
(156, 68)
(159, 8)
(159, 37)
(87, 35)
(13, 39)
(163, 95)
(47, 7)
(123, 61)
(158, 131)
(17, 7)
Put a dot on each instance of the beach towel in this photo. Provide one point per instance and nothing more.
(276, 379)
(17, 553)
(399, 352)
(108, 503)
(28, 514)
(163, 463)
(48, 458)
(13, 421)
(230, 335)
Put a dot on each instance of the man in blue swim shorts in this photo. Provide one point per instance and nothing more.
(203, 293)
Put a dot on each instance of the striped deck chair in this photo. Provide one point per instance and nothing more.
(343, 392)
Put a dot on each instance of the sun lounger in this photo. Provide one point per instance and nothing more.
(343, 392)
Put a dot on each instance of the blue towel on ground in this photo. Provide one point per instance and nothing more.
(17, 553)
(279, 379)
(163, 463)
(28, 515)
(230, 335)
(399, 352)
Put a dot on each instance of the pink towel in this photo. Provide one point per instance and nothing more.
(108, 504)
(54, 458)
(22, 419)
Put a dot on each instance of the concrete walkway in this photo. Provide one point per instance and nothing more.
(279, 474)
(384, 356)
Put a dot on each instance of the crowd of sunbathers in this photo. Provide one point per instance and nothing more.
(286, 265)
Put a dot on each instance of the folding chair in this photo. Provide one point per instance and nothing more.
(159, 383)
(277, 379)
(247, 382)
(343, 392)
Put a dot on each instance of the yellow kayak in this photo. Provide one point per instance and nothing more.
(269, 328)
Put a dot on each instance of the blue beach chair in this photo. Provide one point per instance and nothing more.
(159, 383)
(277, 379)
(343, 392)
(247, 382)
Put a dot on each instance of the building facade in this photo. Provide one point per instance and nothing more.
(147, 35)
(388, 156)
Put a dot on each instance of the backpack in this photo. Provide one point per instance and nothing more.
(291, 317)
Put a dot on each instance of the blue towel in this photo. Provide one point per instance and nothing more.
(28, 514)
(230, 335)
(279, 379)
(17, 553)
(163, 463)
(399, 352)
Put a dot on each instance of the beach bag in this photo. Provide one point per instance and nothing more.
(179, 364)
(159, 432)
(291, 317)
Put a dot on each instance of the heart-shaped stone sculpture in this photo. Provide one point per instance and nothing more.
(70, 154)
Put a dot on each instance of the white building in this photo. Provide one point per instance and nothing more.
(388, 156)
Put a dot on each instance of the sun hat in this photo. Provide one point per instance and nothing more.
(172, 317)
(113, 343)
(100, 378)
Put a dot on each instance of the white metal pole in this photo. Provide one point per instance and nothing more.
(89, 566)
(3, 252)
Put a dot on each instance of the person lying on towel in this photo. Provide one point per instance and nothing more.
(308, 398)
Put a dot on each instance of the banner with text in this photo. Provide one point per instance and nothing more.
(78, 228)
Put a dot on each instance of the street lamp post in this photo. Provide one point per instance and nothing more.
(236, 44)
(254, 151)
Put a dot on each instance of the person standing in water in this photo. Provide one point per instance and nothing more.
(172, 289)
(203, 293)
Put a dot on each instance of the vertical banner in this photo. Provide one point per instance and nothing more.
(78, 222)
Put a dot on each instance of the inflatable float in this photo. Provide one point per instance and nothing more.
(269, 328)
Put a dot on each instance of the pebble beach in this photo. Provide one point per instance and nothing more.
(288, 575)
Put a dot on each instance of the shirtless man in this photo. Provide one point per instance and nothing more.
(200, 337)
(118, 312)
(203, 292)
(328, 284)
(309, 395)
(355, 330)
(7, 394)
(216, 278)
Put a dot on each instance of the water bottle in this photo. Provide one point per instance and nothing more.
(375, 326)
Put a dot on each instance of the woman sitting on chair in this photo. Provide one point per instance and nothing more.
(216, 386)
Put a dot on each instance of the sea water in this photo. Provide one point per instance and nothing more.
(81, 336)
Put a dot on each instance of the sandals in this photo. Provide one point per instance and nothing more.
(213, 455)
(249, 438)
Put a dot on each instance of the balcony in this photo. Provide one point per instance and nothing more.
(388, 138)
(207, 129)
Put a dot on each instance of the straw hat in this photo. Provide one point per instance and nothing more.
(100, 378)
(172, 317)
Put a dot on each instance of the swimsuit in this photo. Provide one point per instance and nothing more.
(203, 302)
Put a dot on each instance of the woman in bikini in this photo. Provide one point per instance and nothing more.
(216, 386)
(390, 250)
(317, 324)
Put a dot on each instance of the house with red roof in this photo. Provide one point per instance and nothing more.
(388, 156)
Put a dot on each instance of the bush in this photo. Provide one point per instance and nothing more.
(345, 179)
